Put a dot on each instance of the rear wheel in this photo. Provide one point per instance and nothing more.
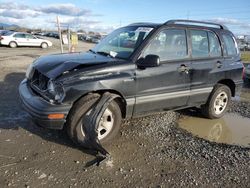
(218, 102)
(13, 44)
(108, 127)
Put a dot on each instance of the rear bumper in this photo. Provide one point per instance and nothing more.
(39, 109)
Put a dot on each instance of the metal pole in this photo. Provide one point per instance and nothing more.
(69, 41)
(60, 33)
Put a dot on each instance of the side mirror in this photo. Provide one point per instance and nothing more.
(148, 61)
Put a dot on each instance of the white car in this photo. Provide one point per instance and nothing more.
(14, 39)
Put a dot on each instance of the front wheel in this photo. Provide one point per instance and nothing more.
(109, 124)
(218, 102)
(44, 45)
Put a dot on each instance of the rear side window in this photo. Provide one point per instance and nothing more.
(229, 45)
(199, 41)
(19, 35)
(214, 45)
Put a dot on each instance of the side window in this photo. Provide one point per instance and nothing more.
(28, 36)
(169, 44)
(19, 35)
(229, 45)
(199, 41)
(214, 45)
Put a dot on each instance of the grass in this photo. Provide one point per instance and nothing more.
(245, 56)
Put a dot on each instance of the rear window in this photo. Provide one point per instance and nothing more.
(229, 45)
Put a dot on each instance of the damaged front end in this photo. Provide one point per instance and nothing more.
(51, 90)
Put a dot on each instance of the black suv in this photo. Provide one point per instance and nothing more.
(151, 67)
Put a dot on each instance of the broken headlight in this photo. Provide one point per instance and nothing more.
(56, 91)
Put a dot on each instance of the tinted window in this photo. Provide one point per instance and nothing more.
(19, 35)
(169, 44)
(229, 45)
(214, 45)
(199, 44)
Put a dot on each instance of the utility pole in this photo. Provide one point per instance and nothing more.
(60, 33)
(69, 41)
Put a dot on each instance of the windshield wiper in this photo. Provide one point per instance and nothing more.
(104, 53)
(94, 52)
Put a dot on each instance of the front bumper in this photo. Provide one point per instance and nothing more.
(39, 108)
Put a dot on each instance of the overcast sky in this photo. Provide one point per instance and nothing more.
(105, 15)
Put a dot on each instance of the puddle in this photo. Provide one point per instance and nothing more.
(232, 129)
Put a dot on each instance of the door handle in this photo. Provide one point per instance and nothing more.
(219, 64)
(183, 68)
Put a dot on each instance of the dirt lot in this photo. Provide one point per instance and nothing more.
(149, 152)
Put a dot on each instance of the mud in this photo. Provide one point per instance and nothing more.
(231, 129)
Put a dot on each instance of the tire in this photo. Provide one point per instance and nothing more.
(218, 102)
(73, 124)
(44, 45)
(13, 44)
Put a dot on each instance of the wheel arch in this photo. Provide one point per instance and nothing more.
(44, 42)
(230, 83)
(14, 42)
(120, 100)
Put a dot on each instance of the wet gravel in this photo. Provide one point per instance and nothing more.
(200, 163)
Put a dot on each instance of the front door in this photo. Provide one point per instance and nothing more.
(168, 85)
(31, 40)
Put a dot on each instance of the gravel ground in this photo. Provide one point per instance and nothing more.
(149, 152)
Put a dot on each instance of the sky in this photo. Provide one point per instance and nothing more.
(107, 15)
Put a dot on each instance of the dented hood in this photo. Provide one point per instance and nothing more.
(54, 65)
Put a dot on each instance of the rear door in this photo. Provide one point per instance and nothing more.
(20, 39)
(166, 86)
(207, 66)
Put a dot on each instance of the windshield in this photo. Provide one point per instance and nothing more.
(122, 42)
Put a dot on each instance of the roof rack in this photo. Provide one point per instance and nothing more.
(221, 26)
